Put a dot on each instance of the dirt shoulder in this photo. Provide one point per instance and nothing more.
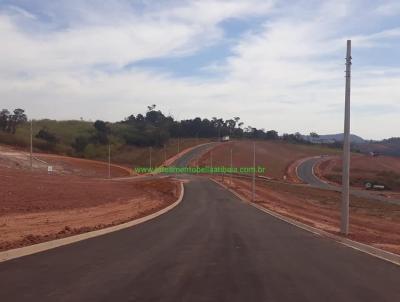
(36, 207)
(371, 222)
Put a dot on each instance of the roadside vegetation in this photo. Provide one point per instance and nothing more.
(134, 138)
(131, 140)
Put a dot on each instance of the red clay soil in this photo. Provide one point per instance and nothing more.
(36, 207)
(19, 159)
(384, 169)
(84, 167)
(372, 223)
(275, 156)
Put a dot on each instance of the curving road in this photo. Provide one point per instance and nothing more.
(211, 247)
(305, 171)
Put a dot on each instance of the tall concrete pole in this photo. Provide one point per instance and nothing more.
(31, 147)
(344, 225)
(150, 157)
(253, 189)
(230, 181)
(109, 161)
(179, 145)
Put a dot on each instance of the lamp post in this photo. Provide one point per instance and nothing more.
(344, 225)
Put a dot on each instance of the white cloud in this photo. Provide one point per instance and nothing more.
(287, 75)
(389, 9)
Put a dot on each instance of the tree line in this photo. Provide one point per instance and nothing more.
(153, 128)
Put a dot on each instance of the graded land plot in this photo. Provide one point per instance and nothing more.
(19, 159)
(275, 156)
(380, 169)
(37, 207)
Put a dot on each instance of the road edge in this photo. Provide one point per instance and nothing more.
(44, 246)
(362, 247)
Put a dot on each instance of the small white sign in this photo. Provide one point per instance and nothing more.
(50, 169)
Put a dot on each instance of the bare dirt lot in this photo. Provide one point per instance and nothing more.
(381, 169)
(14, 158)
(275, 156)
(371, 222)
(36, 207)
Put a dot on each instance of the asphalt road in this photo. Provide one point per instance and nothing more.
(305, 173)
(211, 247)
(194, 153)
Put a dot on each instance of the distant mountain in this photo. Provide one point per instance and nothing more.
(331, 138)
(390, 146)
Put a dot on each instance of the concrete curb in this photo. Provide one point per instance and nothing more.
(44, 246)
(368, 249)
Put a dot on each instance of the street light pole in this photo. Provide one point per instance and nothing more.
(109, 161)
(231, 169)
(31, 147)
(253, 197)
(344, 225)
(150, 149)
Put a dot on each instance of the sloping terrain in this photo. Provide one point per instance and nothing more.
(380, 169)
(36, 206)
(275, 156)
(15, 158)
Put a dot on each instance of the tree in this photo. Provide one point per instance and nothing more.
(49, 137)
(102, 132)
(80, 143)
(4, 118)
(314, 135)
(271, 134)
(15, 119)
(101, 126)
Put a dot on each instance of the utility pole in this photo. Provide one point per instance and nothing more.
(253, 197)
(211, 160)
(109, 161)
(179, 144)
(165, 154)
(150, 157)
(231, 169)
(344, 225)
(31, 148)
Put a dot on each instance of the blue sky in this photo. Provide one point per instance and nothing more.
(276, 64)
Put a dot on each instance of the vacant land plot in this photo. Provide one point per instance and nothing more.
(381, 169)
(371, 222)
(275, 156)
(36, 207)
(14, 158)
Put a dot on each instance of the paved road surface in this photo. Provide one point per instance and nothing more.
(212, 247)
(194, 153)
(305, 173)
